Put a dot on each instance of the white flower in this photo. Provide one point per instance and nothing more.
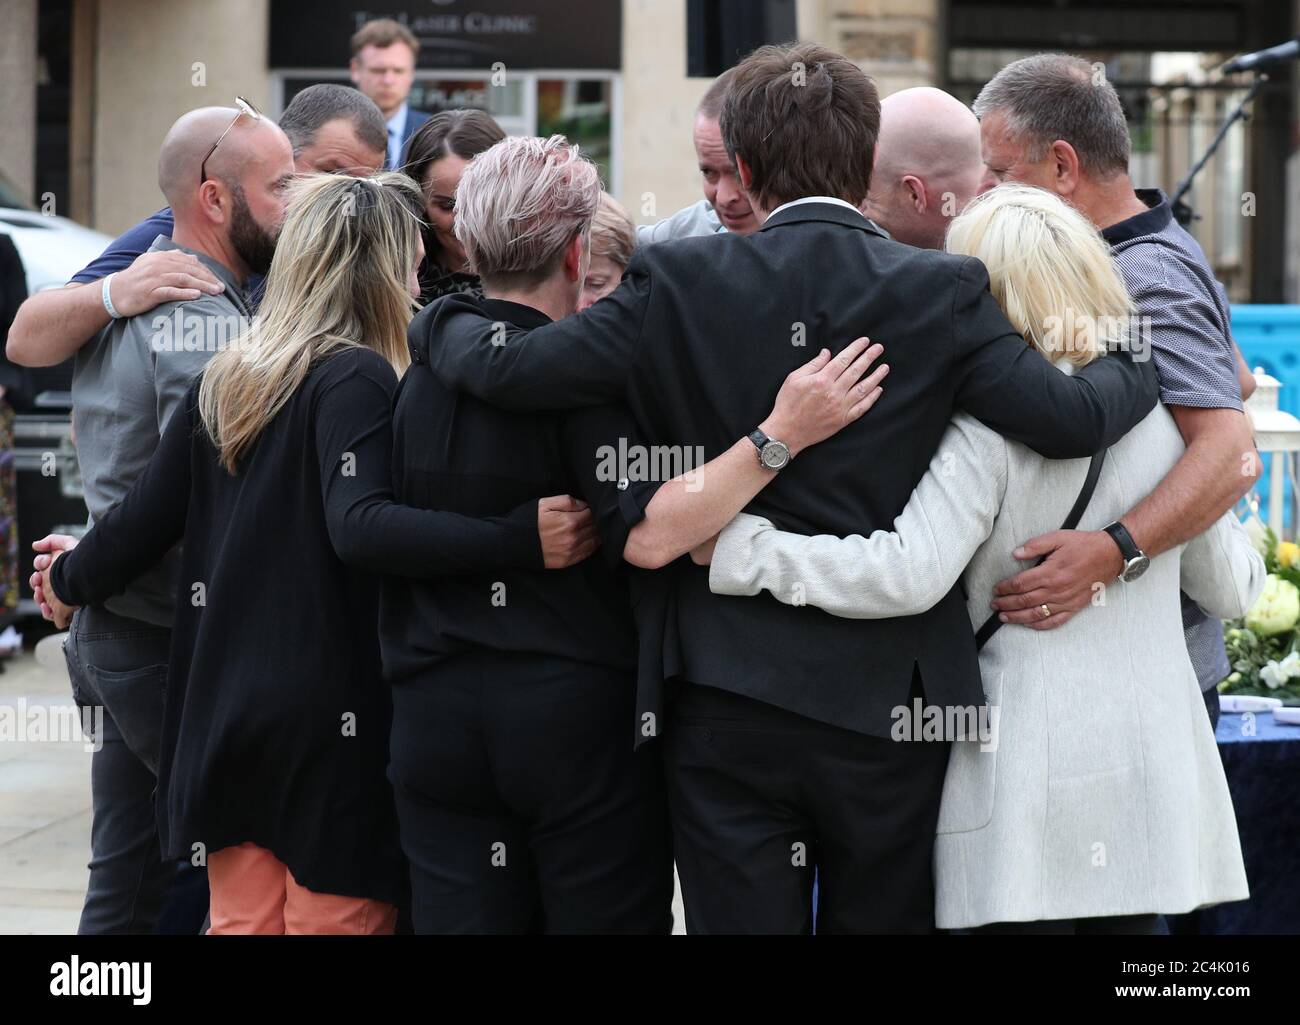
(1277, 608)
(1275, 674)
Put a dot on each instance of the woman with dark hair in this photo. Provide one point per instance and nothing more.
(436, 157)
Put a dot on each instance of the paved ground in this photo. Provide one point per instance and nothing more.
(45, 802)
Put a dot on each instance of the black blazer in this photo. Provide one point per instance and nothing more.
(456, 453)
(699, 337)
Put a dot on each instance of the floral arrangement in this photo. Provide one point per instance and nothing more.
(1264, 645)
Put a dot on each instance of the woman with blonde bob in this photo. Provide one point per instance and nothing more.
(613, 238)
(523, 807)
(276, 474)
(1089, 796)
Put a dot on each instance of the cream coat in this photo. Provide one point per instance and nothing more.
(1105, 794)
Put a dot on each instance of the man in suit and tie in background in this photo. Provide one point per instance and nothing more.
(383, 67)
(777, 744)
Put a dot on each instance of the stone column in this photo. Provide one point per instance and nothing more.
(154, 62)
(18, 73)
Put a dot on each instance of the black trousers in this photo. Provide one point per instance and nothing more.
(761, 797)
(522, 806)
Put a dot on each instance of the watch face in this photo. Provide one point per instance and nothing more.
(1134, 568)
(775, 455)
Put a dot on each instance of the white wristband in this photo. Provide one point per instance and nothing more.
(108, 299)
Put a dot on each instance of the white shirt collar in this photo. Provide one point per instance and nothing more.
(814, 199)
(398, 120)
(396, 126)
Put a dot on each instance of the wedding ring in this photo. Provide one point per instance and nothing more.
(1047, 613)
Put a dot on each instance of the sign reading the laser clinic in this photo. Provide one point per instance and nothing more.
(521, 34)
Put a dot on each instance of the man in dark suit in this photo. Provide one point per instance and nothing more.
(777, 744)
(384, 53)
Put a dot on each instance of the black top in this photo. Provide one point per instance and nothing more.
(699, 337)
(277, 718)
(435, 282)
(456, 453)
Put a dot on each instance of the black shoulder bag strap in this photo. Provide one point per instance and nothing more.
(991, 624)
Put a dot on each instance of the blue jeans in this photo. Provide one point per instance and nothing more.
(121, 665)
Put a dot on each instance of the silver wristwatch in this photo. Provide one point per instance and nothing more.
(772, 454)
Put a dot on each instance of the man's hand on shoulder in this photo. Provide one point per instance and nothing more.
(162, 277)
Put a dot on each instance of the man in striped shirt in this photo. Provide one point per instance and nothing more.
(1055, 122)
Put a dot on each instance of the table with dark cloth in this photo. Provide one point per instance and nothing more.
(1262, 761)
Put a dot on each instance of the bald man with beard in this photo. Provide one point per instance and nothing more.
(224, 174)
(334, 129)
(927, 167)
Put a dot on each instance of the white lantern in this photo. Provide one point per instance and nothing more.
(1276, 432)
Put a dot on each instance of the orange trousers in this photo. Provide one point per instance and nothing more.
(254, 893)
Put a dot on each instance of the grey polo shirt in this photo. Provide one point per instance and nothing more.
(126, 383)
(1191, 342)
(694, 220)
(697, 219)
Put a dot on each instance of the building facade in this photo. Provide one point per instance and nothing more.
(91, 86)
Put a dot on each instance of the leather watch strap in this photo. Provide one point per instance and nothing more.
(1127, 546)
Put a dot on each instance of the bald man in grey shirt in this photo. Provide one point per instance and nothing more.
(126, 383)
(224, 172)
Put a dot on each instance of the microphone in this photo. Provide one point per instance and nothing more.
(1279, 54)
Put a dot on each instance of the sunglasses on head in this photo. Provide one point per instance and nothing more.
(246, 109)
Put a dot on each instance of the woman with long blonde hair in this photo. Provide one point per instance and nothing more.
(276, 474)
(1087, 795)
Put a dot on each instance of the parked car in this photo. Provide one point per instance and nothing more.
(53, 248)
(50, 498)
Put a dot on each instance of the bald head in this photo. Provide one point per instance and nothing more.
(190, 139)
(185, 147)
(927, 165)
(230, 208)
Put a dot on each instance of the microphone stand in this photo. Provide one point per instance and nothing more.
(1182, 212)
